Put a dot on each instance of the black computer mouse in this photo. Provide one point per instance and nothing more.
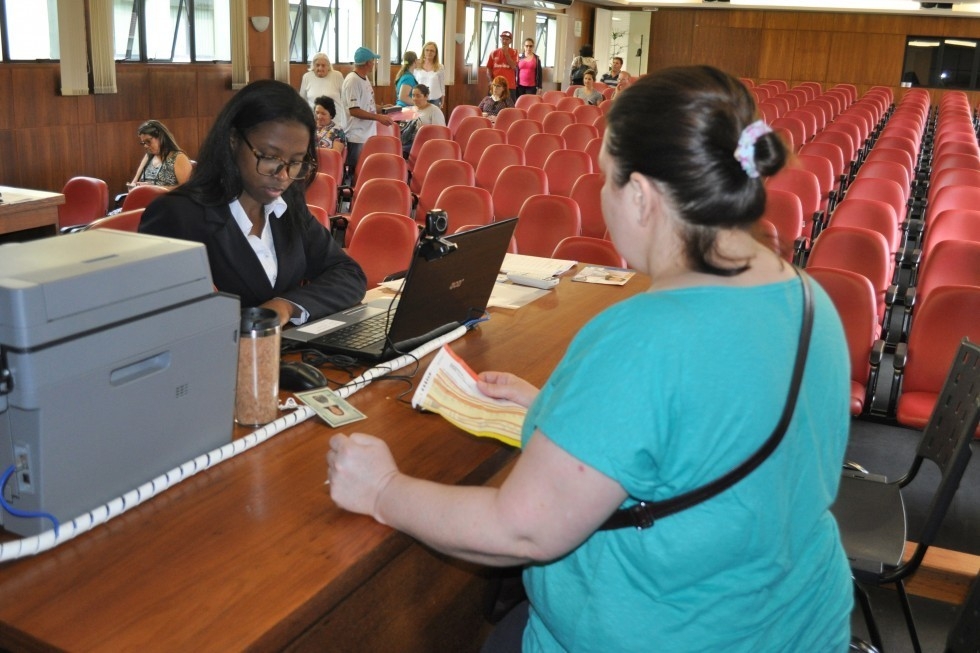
(297, 376)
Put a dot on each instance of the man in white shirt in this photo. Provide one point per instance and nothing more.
(357, 95)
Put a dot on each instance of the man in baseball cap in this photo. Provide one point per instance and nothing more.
(357, 96)
(503, 62)
(363, 55)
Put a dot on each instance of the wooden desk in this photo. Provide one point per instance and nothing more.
(253, 554)
(24, 209)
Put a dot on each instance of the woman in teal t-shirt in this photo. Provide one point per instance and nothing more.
(405, 80)
(659, 395)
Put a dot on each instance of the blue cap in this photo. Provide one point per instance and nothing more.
(363, 55)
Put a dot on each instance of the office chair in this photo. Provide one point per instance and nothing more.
(86, 200)
(123, 221)
(140, 196)
(869, 508)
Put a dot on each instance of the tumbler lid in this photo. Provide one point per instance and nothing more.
(258, 321)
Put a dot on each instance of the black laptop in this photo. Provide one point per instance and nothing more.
(441, 292)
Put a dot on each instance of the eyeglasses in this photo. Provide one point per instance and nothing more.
(271, 166)
(147, 142)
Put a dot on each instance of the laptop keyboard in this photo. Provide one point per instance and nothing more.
(357, 335)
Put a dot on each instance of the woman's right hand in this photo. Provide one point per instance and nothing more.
(504, 385)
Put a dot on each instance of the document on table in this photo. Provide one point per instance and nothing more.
(449, 389)
(535, 265)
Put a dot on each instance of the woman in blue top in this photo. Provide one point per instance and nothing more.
(709, 352)
(405, 80)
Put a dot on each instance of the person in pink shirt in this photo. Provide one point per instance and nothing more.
(503, 63)
(528, 70)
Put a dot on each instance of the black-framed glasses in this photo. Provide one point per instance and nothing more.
(271, 166)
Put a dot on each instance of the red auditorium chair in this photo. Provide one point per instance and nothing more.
(460, 112)
(563, 169)
(543, 221)
(540, 146)
(434, 151)
(586, 191)
(859, 250)
(383, 244)
(854, 299)
(951, 314)
(495, 158)
(785, 212)
(465, 205)
(586, 249)
(514, 185)
(442, 175)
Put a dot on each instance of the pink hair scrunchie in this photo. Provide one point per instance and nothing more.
(745, 152)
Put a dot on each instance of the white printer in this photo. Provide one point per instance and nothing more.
(117, 363)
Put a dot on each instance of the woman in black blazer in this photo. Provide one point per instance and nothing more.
(243, 205)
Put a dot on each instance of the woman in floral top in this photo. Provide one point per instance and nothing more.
(328, 133)
(498, 99)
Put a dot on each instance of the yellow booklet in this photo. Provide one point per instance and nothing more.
(449, 389)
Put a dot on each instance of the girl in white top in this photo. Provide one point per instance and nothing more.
(322, 79)
(432, 73)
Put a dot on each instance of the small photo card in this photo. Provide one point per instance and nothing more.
(334, 410)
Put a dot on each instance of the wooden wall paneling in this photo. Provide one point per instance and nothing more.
(8, 163)
(747, 19)
(812, 56)
(45, 156)
(782, 20)
(671, 38)
(732, 50)
(865, 60)
(777, 54)
(6, 110)
(35, 92)
(716, 18)
(213, 91)
(968, 29)
(132, 99)
(173, 92)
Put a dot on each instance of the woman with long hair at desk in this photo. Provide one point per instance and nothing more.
(758, 566)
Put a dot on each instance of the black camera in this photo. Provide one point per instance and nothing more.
(433, 245)
(436, 223)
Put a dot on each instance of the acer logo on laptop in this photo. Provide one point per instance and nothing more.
(456, 284)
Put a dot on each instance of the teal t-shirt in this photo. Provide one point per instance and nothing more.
(664, 393)
(407, 78)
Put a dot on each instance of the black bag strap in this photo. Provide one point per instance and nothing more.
(645, 513)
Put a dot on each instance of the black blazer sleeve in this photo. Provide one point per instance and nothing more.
(314, 272)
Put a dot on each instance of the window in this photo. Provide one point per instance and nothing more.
(546, 39)
(414, 23)
(941, 62)
(29, 30)
(333, 27)
(172, 30)
(485, 38)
